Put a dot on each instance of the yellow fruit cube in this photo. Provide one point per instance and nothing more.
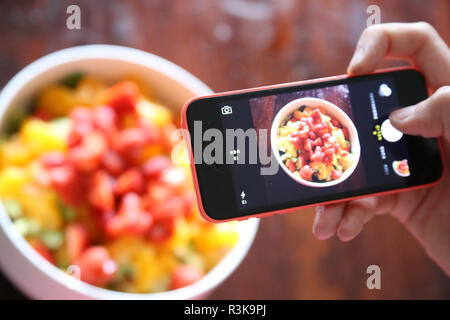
(14, 153)
(56, 100)
(40, 205)
(87, 91)
(12, 180)
(40, 137)
(216, 237)
(154, 113)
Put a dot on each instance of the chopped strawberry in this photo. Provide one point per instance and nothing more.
(336, 174)
(169, 208)
(131, 218)
(112, 162)
(53, 159)
(67, 183)
(131, 180)
(77, 240)
(123, 96)
(185, 275)
(100, 194)
(86, 156)
(96, 266)
(161, 230)
(153, 167)
(317, 116)
(306, 172)
(104, 119)
(290, 165)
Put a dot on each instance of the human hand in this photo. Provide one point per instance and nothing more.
(424, 212)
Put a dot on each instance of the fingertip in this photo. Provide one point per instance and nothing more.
(321, 233)
(326, 220)
(346, 233)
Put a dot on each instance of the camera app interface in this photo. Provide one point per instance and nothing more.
(332, 141)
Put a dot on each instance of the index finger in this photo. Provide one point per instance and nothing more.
(418, 42)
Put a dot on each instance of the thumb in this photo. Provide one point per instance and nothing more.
(429, 118)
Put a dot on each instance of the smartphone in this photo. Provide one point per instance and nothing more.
(275, 149)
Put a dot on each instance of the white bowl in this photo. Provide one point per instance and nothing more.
(331, 110)
(31, 273)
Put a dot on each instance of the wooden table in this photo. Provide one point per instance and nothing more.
(231, 45)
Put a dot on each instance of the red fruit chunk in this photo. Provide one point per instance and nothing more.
(123, 96)
(301, 162)
(96, 266)
(318, 128)
(185, 275)
(316, 115)
(307, 145)
(43, 250)
(306, 172)
(67, 184)
(344, 153)
(297, 142)
(100, 194)
(86, 157)
(336, 174)
(104, 118)
(129, 181)
(346, 133)
(81, 114)
(290, 165)
(53, 159)
(112, 162)
(297, 115)
(161, 231)
(335, 123)
(317, 142)
(129, 139)
(317, 156)
(153, 167)
(170, 208)
(77, 240)
(312, 135)
(131, 218)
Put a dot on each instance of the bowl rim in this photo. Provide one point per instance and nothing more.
(148, 60)
(356, 148)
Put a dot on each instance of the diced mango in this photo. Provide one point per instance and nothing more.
(142, 257)
(87, 91)
(153, 112)
(42, 137)
(12, 180)
(14, 153)
(56, 100)
(216, 237)
(40, 205)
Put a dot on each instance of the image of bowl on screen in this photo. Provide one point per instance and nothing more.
(315, 142)
(92, 185)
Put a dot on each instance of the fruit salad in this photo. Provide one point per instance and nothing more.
(314, 146)
(92, 180)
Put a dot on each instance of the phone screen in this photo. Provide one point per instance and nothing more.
(318, 142)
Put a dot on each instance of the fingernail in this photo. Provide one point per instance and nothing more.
(356, 59)
(402, 114)
(319, 211)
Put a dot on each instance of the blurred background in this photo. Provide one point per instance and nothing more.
(235, 44)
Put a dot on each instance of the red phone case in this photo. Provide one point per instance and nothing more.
(269, 213)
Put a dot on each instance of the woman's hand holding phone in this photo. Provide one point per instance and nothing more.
(424, 212)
